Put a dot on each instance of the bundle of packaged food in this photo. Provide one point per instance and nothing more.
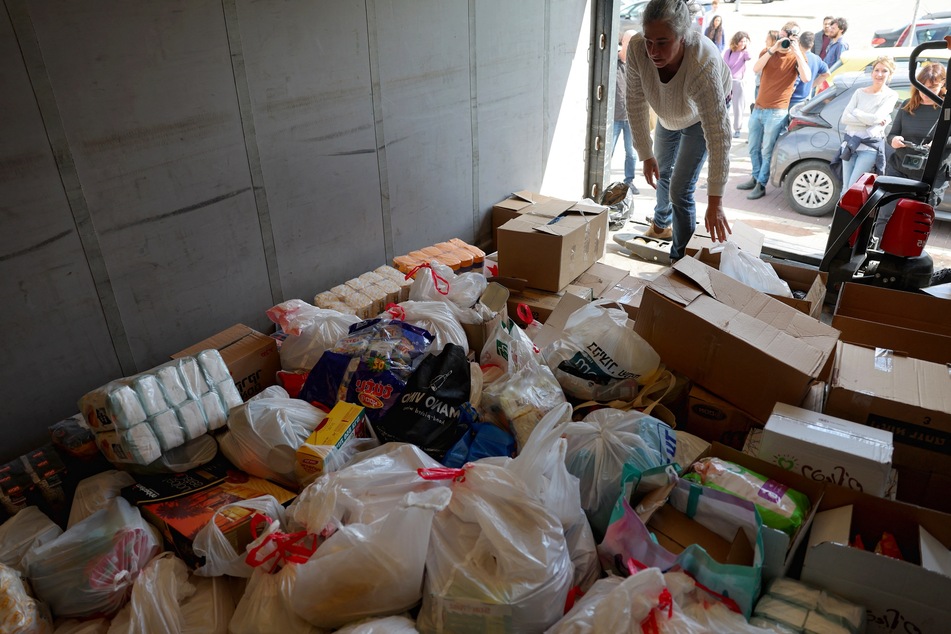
(779, 506)
(790, 606)
(138, 418)
(19, 612)
(456, 254)
(366, 295)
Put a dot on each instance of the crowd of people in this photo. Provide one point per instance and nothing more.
(695, 84)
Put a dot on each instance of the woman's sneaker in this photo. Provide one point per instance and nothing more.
(657, 233)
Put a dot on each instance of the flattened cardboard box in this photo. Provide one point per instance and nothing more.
(909, 397)
(551, 251)
(916, 324)
(899, 596)
(251, 357)
(734, 341)
(807, 281)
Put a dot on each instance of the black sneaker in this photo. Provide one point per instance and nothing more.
(750, 184)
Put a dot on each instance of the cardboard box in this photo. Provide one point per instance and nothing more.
(736, 342)
(627, 294)
(716, 420)
(495, 297)
(180, 504)
(909, 397)
(550, 247)
(344, 421)
(899, 596)
(915, 324)
(828, 449)
(251, 357)
(780, 549)
(808, 282)
(600, 277)
(515, 205)
(542, 303)
(675, 531)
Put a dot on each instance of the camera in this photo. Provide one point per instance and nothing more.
(792, 33)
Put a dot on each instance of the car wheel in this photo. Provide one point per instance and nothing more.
(811, 189)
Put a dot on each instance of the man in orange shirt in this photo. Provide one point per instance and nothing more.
(780, 65)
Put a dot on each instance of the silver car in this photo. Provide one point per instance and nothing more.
(801, 157)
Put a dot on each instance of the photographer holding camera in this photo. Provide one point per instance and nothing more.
(780, 65)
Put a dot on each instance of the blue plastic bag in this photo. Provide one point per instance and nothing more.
(481, 441)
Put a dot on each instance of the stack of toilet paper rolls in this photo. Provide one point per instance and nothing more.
(138, 418)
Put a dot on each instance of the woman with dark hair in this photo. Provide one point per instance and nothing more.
(715, 32)
(674, 70)
(914, 124)
(736, 58)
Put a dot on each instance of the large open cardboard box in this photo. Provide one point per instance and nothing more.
(916, 324)
(734, 341)
(553, 245)
(900, 596)
(912, 399)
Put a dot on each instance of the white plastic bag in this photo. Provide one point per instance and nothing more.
(386, 625)
(264, 434)
(310, 331)
(89, 569)
(94, 492)
(435, 317)
(220, 556)
(25, 531)
(599, 358)
(365, 570)
(752, 271)
(265, 606)
(497, 559)
(437, 282)
(580, 618)
(210, 609)
(155, 605)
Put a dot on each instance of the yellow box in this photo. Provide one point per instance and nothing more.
(343, 421)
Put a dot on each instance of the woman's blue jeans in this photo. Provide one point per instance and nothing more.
(680, 155)
(853, 168)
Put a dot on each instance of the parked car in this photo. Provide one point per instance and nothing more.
(801, 157)
(889, 35)
(630, 16)
(926, 31)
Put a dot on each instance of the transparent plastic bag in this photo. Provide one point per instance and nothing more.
(265, 606)
(155, 604)
(19, 612)
(437, 282)
(89, 570)
(75, 626)
(220, 556)
(598, 358)
(210, 609)
(264, 434)
(752, 271)
(436, 318)
(310, 332)
(497, 561)
(386, 625)
(27, 530)
(334, 588)
(94, 492)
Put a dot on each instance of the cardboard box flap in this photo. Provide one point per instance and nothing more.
(600, 278)
(528, 196)
(551, 208)
(935, 556)
(587, 208)
(495, 297)
(675, 532)
(556, 228)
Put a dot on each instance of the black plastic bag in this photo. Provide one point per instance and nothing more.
(428, 413)
(620, 200)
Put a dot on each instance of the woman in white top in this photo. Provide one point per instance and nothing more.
(679, 73)
(866, 119)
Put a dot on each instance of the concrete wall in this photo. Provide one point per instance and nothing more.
(170, 168)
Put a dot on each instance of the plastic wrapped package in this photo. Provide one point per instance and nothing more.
(772, 626)
(73, 437)
(844, 612)
(333, 587)
(792, 591)
(598, 357)
(220, 555)
(265, 606)
(781, 508)
(518, 388)
(599, 447)
(27, 530)
(155, 602)
(210, 609)
(264, 434)
(88, 570)
(435, 318)
(94, 492)
(310, 332)
(386, 625)
(789, 614)
(497, 561)
(191, 455)
(819, 624)
(19, 612)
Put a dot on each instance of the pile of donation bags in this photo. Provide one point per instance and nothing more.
(461, 497)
